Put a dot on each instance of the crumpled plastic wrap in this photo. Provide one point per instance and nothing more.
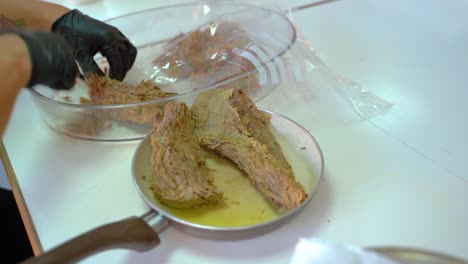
(289, 62)
(232, 47)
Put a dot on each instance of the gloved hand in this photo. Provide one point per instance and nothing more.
(52, 60)
(88, 36)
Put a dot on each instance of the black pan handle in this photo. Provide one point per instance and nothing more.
(131, 233)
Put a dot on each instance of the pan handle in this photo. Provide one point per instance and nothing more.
(131, 233)
(157, 222)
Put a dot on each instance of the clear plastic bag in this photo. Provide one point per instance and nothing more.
(297, 75)
(326, 93)
(233, 45)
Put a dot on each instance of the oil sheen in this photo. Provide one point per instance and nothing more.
(243, 205)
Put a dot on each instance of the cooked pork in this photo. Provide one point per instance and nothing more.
(227, 121)
(106, 91)
(179, 175)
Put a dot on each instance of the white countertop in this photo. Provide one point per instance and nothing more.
(399, 179)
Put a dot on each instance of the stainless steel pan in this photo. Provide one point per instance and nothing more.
(244, 213)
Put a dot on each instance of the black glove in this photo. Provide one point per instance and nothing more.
(52, 60)
(88, 36)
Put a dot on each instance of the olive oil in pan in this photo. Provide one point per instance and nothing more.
(243, 205)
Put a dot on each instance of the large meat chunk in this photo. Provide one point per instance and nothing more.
(179, 175)
(227, 121)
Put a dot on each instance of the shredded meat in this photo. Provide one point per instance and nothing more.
(106, 91)
(179, 175)
(227, 121)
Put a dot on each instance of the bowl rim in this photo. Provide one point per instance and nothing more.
(184, 94)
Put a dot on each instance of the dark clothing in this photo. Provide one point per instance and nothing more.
(13, 237)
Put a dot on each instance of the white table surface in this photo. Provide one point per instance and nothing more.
(398, 179)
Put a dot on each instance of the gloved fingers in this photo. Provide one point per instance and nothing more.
(125, 50)
(131, 53)
(116, 64)
(127, 60)
(88, 65)
(69, 74)
(64, 84)
(128, 55)
(52, 60)
(87, 36)
(65, 76)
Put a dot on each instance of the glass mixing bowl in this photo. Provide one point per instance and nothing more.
(184, 49)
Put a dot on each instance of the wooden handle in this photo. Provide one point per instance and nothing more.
(131, 233)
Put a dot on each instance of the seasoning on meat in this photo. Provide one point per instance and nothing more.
(179, 177)
(106, 91)
(227, 121)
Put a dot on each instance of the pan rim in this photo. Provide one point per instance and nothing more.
(226, 229)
